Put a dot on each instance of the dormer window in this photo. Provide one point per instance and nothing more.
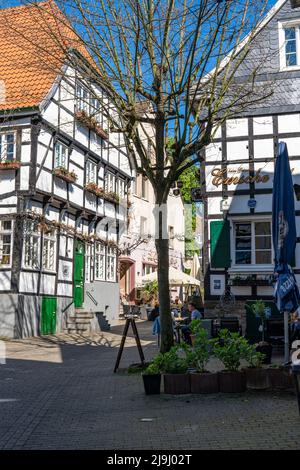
(82, 95)
(289, 45)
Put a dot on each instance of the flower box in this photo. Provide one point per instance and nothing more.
(10, 165)
(91, 123)
(64, 174)
(111, 197)
(93, 188)
(249, 282)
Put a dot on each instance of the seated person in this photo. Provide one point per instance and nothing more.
(295, 325)
(195, 315)
(154, 313)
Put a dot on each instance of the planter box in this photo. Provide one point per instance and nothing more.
(280, 379)
(10, 166)
(232, 382)
(177, 384)
(205, 383)
(152, 383)
(95, 191)
(257, 378)
(66, 177)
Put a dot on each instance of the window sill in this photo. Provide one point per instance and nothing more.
(251, 268)
(290, 69)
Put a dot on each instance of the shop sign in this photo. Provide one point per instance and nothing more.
(220, 176)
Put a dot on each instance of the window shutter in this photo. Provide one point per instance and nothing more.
(220, 244)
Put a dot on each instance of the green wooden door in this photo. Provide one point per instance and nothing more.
(48, 323)
(220, 244)
(78, 274)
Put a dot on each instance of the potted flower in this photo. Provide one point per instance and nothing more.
(174, 367)
(259, 309)
(152, 376)
(256, 376)
(202, 381)
(230, 348)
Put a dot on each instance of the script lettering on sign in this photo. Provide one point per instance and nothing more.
(220, 176)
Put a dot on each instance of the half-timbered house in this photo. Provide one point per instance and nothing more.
(62, 177)
(239, 165)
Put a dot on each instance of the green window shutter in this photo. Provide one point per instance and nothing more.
(220, 244)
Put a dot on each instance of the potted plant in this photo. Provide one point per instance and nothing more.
(152, 376)
(174, 367)
(230, 348)
(259, 309)
(279, 377)
(256, 376)
(202, 381)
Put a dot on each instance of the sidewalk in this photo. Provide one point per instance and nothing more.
(59, 392)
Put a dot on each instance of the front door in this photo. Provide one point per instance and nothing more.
(48, 323)
(79, 274)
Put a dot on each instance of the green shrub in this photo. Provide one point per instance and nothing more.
(230, 348)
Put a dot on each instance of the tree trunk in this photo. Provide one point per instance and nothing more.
(162, 248)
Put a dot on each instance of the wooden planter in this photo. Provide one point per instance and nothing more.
(177, 384)
(109, 198)
(205, 383)
(152, 384)
(280, 379)
(232, 382)
(65, 176)
(10, 166)
(257, 378)
(95, 191)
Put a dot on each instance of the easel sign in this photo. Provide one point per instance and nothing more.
(130, 321)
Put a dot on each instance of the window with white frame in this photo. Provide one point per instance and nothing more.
(6, 231)
(88, 263)
(252, 243)
(111, 264)
(7, 146)
(110, 182)
(91, 172)
(82, 95)
(121, 188)
(144, 188)
(100, 261)
(31, 249)
(61, 152)
(49, 251)
(289, 42)
(148, 269)
(95, 108)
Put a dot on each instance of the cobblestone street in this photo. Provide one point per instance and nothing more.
(61, 393)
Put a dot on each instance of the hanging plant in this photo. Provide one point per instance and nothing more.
(9, 165)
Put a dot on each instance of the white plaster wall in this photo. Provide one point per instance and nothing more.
(237, 127)
(239, 204)
(47, 284)
(82, 134)
(60, 188)
(25, 153)
(237, 150)
(236, 171)
(77, 157)
(265, 290)
(7, 210)
(293, 146)
(209, 178)
(263, 148)
(51, 113)
(78, 172)
(264, 203)
(7, 178)
(28, 282)
(44, 181)
(26, 135)
(5, 280)
(76, 195)
(289, 123)
(214, 205)
(65, 270)
(66, 122)
(213, 152)
(114, 156)
(65, 290)
(263, 125)
(267, 169)
(24, 177)
(48, 162)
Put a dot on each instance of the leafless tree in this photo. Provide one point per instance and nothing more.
(169, 67)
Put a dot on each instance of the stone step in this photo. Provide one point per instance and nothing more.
(75, 331)
(79, 320)
(86, 315)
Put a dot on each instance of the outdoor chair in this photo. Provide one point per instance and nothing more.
(126, 310)
(230, 324)
(275, 331)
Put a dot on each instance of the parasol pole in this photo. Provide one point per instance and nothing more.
(286, 338)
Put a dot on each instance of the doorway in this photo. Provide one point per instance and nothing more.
(79, 274)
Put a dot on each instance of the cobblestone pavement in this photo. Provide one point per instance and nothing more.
(60, 393)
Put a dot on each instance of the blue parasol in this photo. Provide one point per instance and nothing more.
(284, 239)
